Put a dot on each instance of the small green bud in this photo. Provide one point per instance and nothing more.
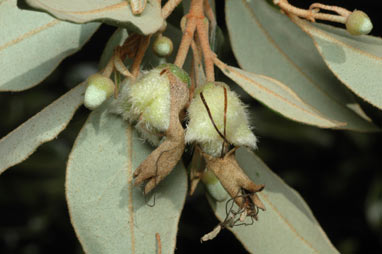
(214, 187)
(200, 128)
(99, 89)
(358, 23)
(162, 46)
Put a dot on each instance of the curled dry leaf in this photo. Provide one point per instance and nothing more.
(235, 181)
(164, 158)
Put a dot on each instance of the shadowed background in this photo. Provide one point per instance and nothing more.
(338, 173)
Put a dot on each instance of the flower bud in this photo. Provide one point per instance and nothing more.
(147, 101)
(163, 46)
(99, 89)
(200, 128)
(358, 23)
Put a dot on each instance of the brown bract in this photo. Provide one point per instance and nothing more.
(165, 157)
(236, 182)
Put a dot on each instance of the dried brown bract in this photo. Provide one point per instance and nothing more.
(235, 181)
(165, 157)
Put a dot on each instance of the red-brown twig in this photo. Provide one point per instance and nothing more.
(313, 13)
(143, 45)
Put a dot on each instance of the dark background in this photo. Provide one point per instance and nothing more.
(337, 172)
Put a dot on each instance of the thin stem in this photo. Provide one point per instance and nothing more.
(169, 7)
(119, 65)
(207, 53)
(188, 35)
(313, 15)
(211, 17)
(143, 45)
(211, 118)
(108, 70)
(225, 121)
(197, 64)
(341, 11)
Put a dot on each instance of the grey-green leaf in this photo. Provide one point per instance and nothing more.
(114, 12)
(277, 96)
(355, 60)
(278, 48)
(287, 225)
(108, 213)
(33, 44)
(43, 127)
(116, 39)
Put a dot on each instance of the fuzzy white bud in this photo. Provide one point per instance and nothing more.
(200, 128)
(146, 102)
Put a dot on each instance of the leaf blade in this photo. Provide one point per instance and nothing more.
(33, 44)
(102, 200)
(287, 218)
(43, 127)
(277, 96)
(356, 61)
(275, 52)
(114, 12)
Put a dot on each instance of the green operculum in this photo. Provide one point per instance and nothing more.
(99, 89)
(201, 129)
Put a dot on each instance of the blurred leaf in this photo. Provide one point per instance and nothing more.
(355, 60)
(33, 44)
(108, 213)
(116, 39)
(276, 47)
(287, 226)
(114, 12)
(43, 127)
(277, 96)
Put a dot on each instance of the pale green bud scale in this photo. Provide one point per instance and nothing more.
(213, 186)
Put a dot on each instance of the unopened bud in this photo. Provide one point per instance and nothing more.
(201, 129)
(162, 46)
(358, 23)
(147, 101)
(99, 89)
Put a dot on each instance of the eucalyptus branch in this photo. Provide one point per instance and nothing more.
(313, 13)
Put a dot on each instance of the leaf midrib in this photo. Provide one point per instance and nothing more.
(272, 42)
